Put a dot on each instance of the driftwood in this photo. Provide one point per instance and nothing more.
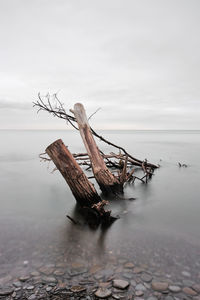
(107, 181)
(111, 171)
(53, 105)
(113, 161)
(82, 189)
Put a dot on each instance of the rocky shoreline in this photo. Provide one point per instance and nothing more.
(120, 280)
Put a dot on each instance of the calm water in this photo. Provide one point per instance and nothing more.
(163, 223)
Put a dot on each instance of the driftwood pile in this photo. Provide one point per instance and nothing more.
(111, 171)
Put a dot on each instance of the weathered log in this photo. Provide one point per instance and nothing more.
(107, 181)
(82, 189)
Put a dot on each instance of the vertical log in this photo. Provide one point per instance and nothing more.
(107, 181)
(82, 189)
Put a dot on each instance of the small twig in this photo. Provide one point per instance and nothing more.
(94, 113)
(59, 111)
(43, 158)
(73, 221)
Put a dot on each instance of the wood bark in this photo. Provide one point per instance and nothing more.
(82, 189)
(107, 181)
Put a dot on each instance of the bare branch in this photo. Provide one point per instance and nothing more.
(94, 113)
(123, 160)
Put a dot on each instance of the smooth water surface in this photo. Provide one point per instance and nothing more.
(161, 222)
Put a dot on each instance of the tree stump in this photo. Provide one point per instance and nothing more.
(82, 189)
(108, 183)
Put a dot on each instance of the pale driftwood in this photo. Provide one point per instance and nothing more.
(82, 189)
(53, 105)
(107, 181)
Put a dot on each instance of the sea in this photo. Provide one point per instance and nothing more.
(159, 230)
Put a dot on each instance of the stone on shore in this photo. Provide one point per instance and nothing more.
(189, 291)
(6, 291)
(146, 277)
(120, 284)
(196, 287)
(129, 265)
(103, 293)
(139, 293)
(159, 286)
(174, 288)
(186, 274)
(77, 289)
(140, 287)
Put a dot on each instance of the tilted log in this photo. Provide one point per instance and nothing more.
(107, 181)
(82, 189)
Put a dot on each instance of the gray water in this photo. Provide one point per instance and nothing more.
(160, 227)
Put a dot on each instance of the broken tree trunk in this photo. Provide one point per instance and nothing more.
(107, 181)
(82, 189)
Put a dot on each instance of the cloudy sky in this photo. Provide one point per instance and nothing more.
(139, 60)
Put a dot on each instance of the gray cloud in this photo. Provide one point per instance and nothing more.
(138, 60)
(14, 105)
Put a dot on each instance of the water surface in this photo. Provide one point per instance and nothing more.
(161, 227)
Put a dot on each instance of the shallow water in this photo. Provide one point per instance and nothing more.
(160, 228)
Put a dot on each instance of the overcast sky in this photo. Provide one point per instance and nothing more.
(139, 60)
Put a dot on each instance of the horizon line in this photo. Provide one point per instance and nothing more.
(66, 129)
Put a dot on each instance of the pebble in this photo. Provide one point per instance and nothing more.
(104, 284)
(103, 293)
(148, 286)
(6, 291)
(49, 279)
(120, 284)
(138, 270)
(139, 293)
(129, 265)
(117, 291)
(133, 283)
(59, 272)
(17, 284)
(94, 269)
(128, 275)
(76, 272)
(146, 277)
(46, 270)
(14, 294)
(187, 282)
(174, 288)
(157, 295)
(140, 287)
(77, 265)
(115, 296)
(24, 278)
(98, 276)
(77, 289)
(196, 287)
(35, 273)
(189, 291)
(32, 297)
(159, 286)
(49, 288)
(152, 298)
(186, 274)
(25, 263)
(30, 287)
